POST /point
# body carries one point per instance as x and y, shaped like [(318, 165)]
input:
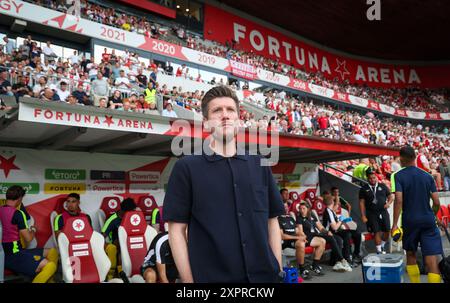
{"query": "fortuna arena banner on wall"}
[(48, 176), (222, 26)]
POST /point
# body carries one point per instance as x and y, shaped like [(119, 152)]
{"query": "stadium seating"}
[(83, 258), (135, 237), (147, 204), (109, 206)]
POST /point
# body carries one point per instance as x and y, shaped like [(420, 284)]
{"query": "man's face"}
[(63, 87), (72, 205), (223, 118), (303, 210), (373, 179), (71, 100), (335, 192), (285, 195)]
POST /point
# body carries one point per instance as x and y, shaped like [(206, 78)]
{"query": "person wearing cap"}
[(228, 201), (168, 111), (413, 188), (110, 232), (375, 199)]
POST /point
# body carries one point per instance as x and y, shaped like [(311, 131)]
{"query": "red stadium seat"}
[(147, 204), (294, 196), (318, 206), (135, 236), (109, 206), (83, 258), (310, 195)]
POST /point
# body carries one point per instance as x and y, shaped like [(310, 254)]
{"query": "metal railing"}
[(354, 179)]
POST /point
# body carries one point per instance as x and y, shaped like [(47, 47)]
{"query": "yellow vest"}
[(150, 95)]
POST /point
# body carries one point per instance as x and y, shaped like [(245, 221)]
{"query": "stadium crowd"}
[(411, 98), (124, 83)]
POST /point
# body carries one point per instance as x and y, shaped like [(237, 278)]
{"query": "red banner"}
[(242, 70), (222, 26)]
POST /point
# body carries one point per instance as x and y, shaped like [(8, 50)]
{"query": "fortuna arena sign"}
[(222, 26), (113, 121)]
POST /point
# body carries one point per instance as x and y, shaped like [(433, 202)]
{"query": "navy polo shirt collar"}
[(211, 156)]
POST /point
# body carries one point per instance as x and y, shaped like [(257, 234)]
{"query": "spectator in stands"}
[(9, 46), (63, 92), (110, 231), (395, 164), (74, 59), (122, 82), (21, 89), (126, 106), (333, 224), (141, 79), (292, 238), (168, 111), (81, 95), (49, 95), (152, 109), (169, 69), (152, 78), (48, 52), (444, 170), (37, 263), (5, 85), (38, 87), (313, 229), (115, 100), (374, 201), (159, 265), (99, 89), (103, 103), (71, 209), (339, 201), (150, 93)]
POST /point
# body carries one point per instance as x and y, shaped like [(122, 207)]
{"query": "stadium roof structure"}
[(58, 126), (409, 30)]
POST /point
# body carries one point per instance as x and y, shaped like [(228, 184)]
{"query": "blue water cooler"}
[(381, 268)]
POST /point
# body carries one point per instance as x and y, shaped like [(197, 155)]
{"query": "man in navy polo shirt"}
[(227, 202), (413, 188)]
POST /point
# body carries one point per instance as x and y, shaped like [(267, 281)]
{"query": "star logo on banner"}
[(341, 68), (135, 220), (108, 120), (78, 225), (7, 165)]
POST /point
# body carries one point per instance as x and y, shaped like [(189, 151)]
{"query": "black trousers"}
[(346, 236), (336, 247)]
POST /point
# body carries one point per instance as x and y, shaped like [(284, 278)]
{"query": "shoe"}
[(305, 274), (315, 269), (339, 267), (357, 259), (347, 266)]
